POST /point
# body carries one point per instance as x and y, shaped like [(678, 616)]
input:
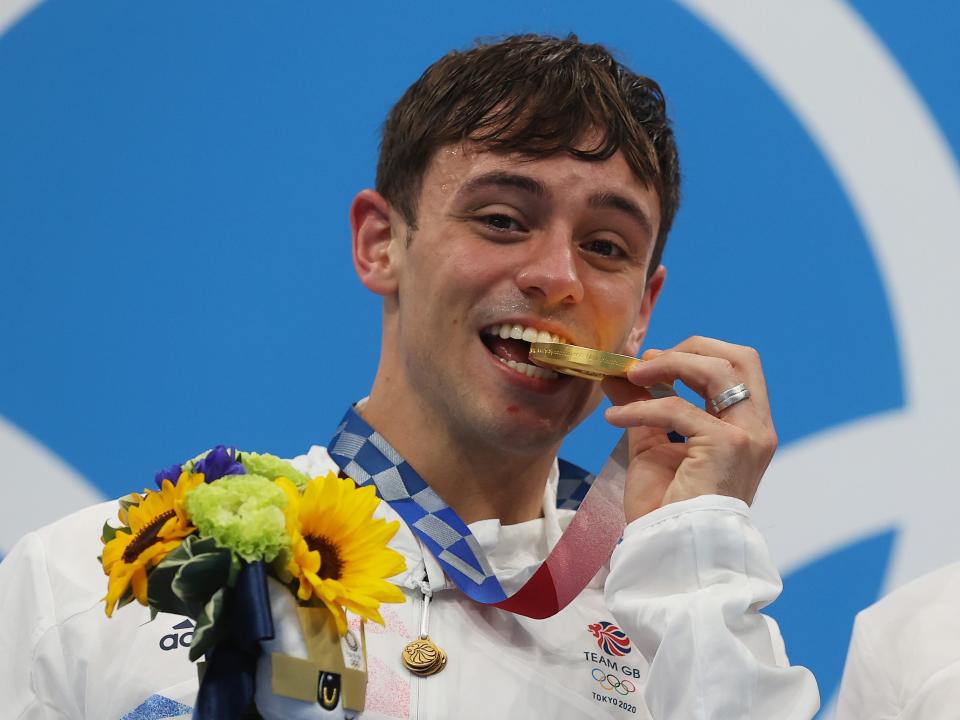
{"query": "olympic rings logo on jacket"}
[(611, 683)]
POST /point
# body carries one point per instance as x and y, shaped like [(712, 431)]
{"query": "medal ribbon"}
[(585, 546)]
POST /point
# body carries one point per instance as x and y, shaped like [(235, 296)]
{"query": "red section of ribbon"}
[(584, 547), (537, 598)]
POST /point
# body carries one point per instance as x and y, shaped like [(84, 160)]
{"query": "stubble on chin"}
[(524, 430)]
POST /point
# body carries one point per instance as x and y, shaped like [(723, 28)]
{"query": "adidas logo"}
[(174, 640)]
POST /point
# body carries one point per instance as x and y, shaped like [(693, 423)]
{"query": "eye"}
[(501, 223), (604, 248)]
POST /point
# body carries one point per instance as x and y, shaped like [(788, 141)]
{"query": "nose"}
[(549, 272)]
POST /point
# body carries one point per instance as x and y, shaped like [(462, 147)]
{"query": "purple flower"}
[(172, 474), (219, 462)]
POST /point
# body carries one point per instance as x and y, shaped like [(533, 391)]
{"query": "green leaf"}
[(109, 532), (202, 575), (160, 590), (161, 596), (125, 599), (208, 631), (193, 580)]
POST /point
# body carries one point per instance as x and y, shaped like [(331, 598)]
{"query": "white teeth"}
[(527, 334), (529, 370), (521, 332)]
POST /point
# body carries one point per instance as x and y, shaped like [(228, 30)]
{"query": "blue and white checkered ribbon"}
[(364, 455)]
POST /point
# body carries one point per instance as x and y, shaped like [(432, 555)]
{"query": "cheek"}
[(617, 308), (438, 297), (468, 269), (467, 279), (614, 322)]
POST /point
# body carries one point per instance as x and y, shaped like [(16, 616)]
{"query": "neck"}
[(477, 480)]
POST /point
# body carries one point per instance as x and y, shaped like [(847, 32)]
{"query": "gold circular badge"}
[(423, 657)]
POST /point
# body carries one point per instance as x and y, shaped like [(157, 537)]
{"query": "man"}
[(525, 190)]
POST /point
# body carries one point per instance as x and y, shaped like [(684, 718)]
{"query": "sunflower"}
[(339, 553), (157, 525)]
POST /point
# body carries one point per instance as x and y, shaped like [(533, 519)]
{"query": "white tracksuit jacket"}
[(685, 584)]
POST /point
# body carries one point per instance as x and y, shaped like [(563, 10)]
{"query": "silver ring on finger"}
[(730, 397)]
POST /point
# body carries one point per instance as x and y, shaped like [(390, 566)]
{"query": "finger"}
[(621, 392), (746, 360), (707, 376), (671, 413), (644, 438)]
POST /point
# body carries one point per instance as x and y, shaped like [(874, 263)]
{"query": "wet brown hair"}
[(534, 95)]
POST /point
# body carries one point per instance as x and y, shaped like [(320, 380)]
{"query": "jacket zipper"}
[(423, 629)]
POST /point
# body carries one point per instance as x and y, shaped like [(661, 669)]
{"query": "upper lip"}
[(539, 324)]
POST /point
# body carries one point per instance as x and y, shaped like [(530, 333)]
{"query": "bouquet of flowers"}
[(220, 525)]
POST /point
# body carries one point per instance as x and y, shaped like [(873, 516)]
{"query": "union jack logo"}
[(611, 639)]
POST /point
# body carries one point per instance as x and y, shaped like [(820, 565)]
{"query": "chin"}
[(515, 429)]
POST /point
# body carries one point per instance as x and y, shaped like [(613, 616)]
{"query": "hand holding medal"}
[(731, 439)]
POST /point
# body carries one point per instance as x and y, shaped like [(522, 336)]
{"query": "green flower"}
[(272, 467), (244, 513)]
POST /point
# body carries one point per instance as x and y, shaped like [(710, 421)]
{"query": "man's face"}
[(553, 245)]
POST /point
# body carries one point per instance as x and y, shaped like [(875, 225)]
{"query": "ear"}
[(650, 295), (372, 236)]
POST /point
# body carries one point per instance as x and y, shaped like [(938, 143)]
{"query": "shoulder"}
[(914, 632), (924, 602), (78, 532), (64, 555)]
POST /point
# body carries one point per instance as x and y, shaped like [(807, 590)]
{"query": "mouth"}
[(510, 344)]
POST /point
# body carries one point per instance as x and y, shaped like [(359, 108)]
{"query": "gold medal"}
[(423, 657), (589, 364), (579, 361)]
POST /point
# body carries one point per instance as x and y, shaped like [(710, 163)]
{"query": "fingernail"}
[(650, 353)]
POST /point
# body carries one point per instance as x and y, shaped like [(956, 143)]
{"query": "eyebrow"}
[(615, 201), (602, 200), (498, 178)]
